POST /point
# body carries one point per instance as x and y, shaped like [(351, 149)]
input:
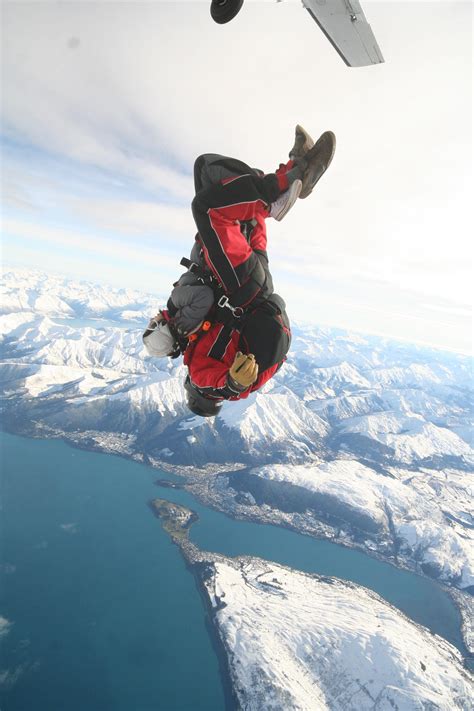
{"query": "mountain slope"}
[(296, 641), (384, 428)]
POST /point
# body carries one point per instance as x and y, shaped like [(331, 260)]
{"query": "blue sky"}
[(106, 105)]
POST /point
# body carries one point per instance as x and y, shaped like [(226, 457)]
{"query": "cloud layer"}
[(106, 106)]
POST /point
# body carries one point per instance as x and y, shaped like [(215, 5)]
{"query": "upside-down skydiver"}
[(223, 315)]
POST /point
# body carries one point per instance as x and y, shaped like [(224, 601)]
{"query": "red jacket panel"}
[(207, 372), (218, 211)]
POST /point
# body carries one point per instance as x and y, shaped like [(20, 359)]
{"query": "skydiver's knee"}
[(198, 206), (199, 164), (204, 173)]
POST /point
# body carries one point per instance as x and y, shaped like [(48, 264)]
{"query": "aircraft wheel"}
[(223, 11)]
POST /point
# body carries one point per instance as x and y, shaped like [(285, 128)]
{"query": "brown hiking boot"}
[(303, 142), (317, 161)]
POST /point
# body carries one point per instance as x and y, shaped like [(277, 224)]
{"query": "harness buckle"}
[(223, 303), (197, 271)]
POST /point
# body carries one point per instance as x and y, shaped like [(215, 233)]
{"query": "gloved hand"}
[(243, 372)]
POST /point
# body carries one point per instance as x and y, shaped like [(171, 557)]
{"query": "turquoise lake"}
[(105, 615)]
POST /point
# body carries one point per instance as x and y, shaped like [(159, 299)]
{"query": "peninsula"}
[(301, 641)]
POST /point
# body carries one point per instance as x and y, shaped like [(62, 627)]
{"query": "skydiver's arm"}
[(214, 382), (211, 379), (215, 379)]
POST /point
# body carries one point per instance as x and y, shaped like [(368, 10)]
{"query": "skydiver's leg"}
[(213, 168), (291, 170), (225, 187), (219, 210), (208, 170)]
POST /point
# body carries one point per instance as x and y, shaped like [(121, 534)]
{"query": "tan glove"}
[(244, 371)]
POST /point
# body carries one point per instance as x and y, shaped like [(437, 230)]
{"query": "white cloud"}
[(90, 245), (138, 90), (136, 217)]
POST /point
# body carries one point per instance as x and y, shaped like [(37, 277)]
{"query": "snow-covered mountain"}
[(373, 437), (411, 520), (27, 290), (376, 400), (300, 642)]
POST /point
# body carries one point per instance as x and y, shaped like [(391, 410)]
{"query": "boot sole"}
[(294, 191), (308, 188)]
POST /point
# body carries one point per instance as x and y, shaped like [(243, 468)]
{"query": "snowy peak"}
[(385, 428), (409, 437), (27, 290), (337, 390), (275, 413)]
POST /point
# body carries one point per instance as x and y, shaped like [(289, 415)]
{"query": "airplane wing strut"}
[(344, 24)]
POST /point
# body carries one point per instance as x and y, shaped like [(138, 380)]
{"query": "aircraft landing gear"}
[(223, 11)]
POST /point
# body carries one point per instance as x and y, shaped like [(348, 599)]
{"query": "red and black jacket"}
[(263, 331), (230, 218)]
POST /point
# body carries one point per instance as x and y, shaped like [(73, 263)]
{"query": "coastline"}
[(177, 520), (195, 563), (94, 442)]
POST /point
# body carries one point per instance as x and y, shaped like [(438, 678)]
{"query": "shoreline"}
[(178, 531), (197, 560), (230, 699), (456, 594)]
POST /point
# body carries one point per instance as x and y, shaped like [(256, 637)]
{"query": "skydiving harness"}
[(274, 308), (230, 317), (231, 314), (245, 294), (205, 277)]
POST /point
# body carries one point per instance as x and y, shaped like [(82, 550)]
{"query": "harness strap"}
[(219, 346), (252, 289), (204, 275), (247, 227)]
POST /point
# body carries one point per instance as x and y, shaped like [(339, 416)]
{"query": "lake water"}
[(105, 615)]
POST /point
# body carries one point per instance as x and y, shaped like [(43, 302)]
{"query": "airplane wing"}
[(345, 26)]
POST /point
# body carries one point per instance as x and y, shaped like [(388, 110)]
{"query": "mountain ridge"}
[(403, 413)]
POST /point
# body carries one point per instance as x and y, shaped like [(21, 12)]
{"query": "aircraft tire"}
[(223, 11)]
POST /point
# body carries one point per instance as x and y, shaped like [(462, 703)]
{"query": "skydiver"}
[(223, 314)]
